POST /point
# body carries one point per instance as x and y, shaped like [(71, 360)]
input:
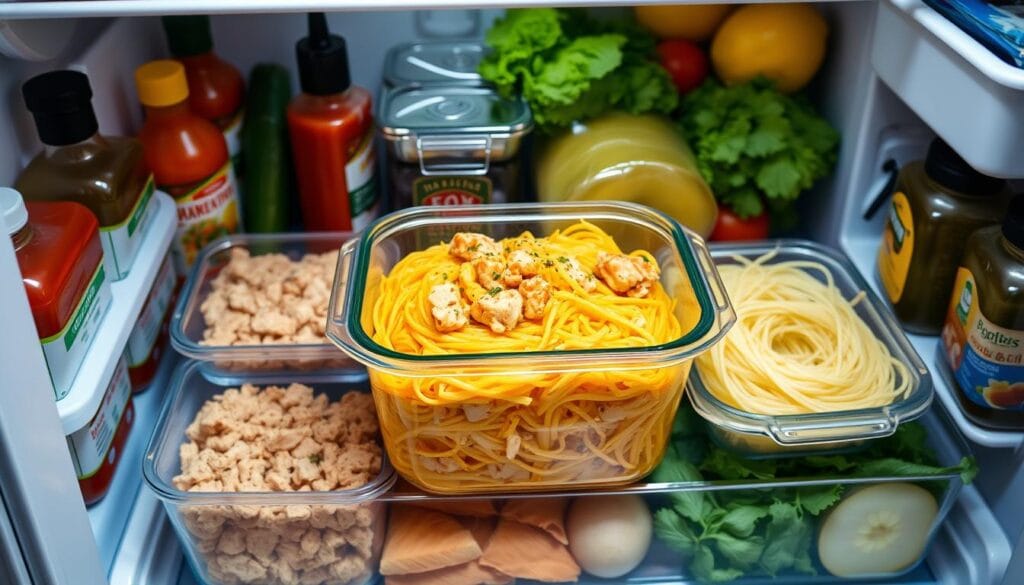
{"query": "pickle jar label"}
[(121, 242), (65, 350), (143, 337), (205, 213), (987, 360), (361, 179), (90, 445), (452, 190), (897, 247)]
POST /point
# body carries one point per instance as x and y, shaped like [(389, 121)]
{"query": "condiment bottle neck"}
[(171, 111), (22, 237), (83, 149), (1011, 249)]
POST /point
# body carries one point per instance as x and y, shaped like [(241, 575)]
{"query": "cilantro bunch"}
[(754, 144), (570, 66), (727, 534)]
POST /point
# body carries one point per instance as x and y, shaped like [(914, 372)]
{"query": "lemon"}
[(783, 42), (693, 22)]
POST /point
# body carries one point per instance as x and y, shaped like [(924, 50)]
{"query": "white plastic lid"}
[(13, 207)]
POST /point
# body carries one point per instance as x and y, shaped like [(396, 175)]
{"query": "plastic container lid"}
[(161, 83), (950, 170), (61, 104), (188, 35), (323, 59), (448, 63), (15, 214)]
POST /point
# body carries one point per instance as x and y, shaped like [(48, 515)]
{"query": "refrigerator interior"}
[(134, 543)]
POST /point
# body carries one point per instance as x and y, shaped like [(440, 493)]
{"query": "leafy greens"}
[(727, 534), (570, 66), (753, 144)]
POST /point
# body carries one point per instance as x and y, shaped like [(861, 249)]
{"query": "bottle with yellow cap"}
[(189, 159)]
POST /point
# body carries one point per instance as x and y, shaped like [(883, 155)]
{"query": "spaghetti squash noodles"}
[(798, 345), (514, 427)]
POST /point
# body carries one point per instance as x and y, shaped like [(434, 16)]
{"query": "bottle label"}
[(147, 328), (121, 242), (451, 190), (90, 446), (897, 248), (987, 360), (66, 349), (361, 178), (205, 212)]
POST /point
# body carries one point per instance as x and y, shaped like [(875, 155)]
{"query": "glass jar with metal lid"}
[(452, 145), (434, 63)]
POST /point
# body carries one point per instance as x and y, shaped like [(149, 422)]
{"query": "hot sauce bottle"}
[(215, 87), (107, 174), (189, 159), (61, 262), (331, 129)]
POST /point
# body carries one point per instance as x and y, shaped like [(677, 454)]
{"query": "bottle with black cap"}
[(983, 336), (331, 128), (107, 174), (937, 203)]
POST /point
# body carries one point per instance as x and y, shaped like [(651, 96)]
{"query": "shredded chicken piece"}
[(489, 270), (520, 265), (576, 272), (632, 275), (500, 311), (536, 293), (469, 246), (512, 445), (449, 311)]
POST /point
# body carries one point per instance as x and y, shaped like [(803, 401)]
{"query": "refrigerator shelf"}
[(862, 251), (110, 515), (949, 80), (79, 406), (86, 8)]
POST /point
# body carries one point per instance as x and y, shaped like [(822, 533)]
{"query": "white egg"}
[(609, 535)]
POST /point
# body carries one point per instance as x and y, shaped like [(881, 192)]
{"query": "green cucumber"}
[(265, 157)]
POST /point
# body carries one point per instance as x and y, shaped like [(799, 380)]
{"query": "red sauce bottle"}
[(215, 87), (61, 261), (331, 128), (189, 159)]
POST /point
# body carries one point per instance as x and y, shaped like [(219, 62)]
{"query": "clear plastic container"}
[(269, 362), (202, 520), (664, 565), (788, 435), (623, 443)]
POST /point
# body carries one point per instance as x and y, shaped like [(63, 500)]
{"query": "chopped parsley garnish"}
[(494, 291), (474, 248), (315, 459), (563, 259), (644, 258), (495, 275)]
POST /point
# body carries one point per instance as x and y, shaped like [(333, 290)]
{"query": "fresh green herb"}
[(570, 66), (494, 291), (729, 534), (495, 275), (754, 144), (644, 258), (563, 259), (315, 459), (474, 248)]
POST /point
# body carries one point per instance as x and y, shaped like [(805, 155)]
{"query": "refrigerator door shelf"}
[(80, 405), (862, 250), (947, 77)]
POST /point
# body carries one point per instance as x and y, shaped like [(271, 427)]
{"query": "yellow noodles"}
[(457, 433), (797, 346)]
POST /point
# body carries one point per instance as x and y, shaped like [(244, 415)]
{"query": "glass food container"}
[(270, 362), (347, 526), (453, 145), (761, 435), (434, 63), (776, 538), (425, 425)]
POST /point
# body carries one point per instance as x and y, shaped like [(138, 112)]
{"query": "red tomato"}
[(685, 62), (729, 227)]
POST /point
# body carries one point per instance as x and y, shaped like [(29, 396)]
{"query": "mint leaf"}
[(739, 553), (673, 530), (787, 535), (742, 520), (817, 499)]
